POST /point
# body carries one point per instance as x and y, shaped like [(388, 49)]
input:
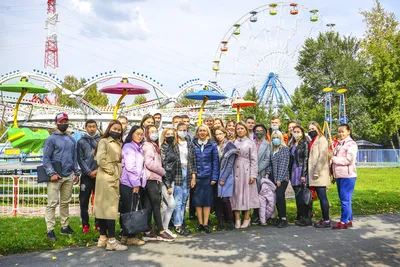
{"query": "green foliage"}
[(258, 111), (72, 83), (333, 61), (381, 49), (139, 99), (183, 101)]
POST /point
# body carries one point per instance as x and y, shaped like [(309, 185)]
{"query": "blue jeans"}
[(181, 194), (346, 188)]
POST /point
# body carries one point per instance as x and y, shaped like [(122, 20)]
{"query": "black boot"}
[(229, 226), (220, 226)]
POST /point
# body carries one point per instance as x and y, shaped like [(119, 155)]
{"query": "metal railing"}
[(22, 195), (378, 157)]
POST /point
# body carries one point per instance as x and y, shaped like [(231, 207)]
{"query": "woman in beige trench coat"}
[(318, 170), (108, 157)]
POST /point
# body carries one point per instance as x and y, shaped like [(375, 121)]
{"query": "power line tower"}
[(51, 46)]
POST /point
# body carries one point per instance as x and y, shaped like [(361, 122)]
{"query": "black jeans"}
[(128, 202), (192, 209), (151, 197), (223, 209), (88, 185), (107, 227), (323, 200), (281, 199)]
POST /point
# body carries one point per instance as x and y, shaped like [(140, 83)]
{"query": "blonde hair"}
[(164, 133), (241, 123), (280, 136), (207, 129), (320, 133)]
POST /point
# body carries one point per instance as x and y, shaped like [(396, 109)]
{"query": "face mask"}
[(62, 127), (275, 128), (115, 135), (182, 134), (259, 135), (297, 136), (169, 139), (276, 141), (157, 124), (312, 134), (154, 137)]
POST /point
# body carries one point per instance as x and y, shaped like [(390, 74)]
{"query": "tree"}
[(381, 49), (139, 99), (258, 111), (332, 60), (183, 101), (72, 83)]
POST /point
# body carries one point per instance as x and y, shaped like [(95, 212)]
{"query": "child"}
[(267, 200)]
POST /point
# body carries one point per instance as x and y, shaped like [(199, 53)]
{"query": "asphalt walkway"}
[(373, 241)]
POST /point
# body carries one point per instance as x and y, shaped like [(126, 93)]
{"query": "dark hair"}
[(250, 118), (123, 117), (181, 124), (128, 138), (176, 117), (260, 125), (146, 117), (89, 122), (303, 138), (147, 135), (184, 116), (158, 113), (347, 128), (292, 122), (107, 133), (220, 120)]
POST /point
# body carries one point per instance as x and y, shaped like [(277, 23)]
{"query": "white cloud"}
[(83, 7)]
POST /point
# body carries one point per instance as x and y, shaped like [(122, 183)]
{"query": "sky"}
[(172, 41)]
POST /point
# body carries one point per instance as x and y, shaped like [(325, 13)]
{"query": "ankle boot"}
[(220, 226), (229, 225)]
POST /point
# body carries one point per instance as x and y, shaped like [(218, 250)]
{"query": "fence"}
[(22, 195), (378, 157)]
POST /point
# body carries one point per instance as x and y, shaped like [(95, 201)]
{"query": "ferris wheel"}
[(261, 49)]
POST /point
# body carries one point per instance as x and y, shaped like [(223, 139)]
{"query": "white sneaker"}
[(171, 234)]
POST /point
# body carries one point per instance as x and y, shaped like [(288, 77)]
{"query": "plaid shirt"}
[(279, 164), (191, 167)]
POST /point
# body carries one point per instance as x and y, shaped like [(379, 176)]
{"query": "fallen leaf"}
[(295, 235), (258, 233), (54, 258), (305, 237), (70, 254), (88, 244), (309, 246)]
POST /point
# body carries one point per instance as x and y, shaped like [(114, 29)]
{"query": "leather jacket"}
[(301, 158), (170, 164)]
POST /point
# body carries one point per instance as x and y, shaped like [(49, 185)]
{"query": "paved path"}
[(373, 241)]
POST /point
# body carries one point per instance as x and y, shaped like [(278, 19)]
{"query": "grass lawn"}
[(377, 191)]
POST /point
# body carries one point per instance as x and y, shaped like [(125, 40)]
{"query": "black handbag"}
[(135, 221), (304, 196)]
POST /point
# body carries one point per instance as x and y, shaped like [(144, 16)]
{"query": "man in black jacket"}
[(86, 147)]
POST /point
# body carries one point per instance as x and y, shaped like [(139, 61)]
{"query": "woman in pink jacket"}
[(152, 193), (344, 170)]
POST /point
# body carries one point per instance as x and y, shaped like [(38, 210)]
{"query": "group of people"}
[(238, 170)]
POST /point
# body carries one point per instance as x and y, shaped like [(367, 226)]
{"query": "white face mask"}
[(182, 134), (297, 136), (154, 137), (275, 127)]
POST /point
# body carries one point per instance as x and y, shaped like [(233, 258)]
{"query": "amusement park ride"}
[(259, 50)]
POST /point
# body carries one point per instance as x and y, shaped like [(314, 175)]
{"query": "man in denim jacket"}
[(60, 149)]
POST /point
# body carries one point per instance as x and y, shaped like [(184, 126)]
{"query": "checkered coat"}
[(278, 168)]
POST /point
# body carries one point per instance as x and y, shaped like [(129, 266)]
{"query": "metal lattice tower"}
[(51, 46)]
